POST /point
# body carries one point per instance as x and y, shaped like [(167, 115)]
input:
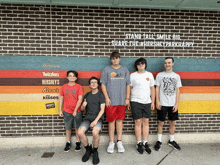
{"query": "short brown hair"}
[(115, 54)]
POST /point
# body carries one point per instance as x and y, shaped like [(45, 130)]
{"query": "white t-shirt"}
[(168, 84), (141, 83)]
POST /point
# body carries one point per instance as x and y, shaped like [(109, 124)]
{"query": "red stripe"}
[(88, 74)]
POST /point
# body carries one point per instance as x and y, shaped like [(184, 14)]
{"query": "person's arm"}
[(79, 102), (158, 105), (104, 91), (60, 106), (84, 104), (101, 112), (128, 93), (175, 108), (152, 89)]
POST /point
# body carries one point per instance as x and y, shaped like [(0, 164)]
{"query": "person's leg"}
[(68, 135), (119, 127), (145, 129), (172, 127), (111, 130), (138, 127), (95, 134), (82, 136), (77, 123)]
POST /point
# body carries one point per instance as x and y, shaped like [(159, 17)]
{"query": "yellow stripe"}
[(199, 96), (199, 107), (39, 108), (27, 108), (29, 97)]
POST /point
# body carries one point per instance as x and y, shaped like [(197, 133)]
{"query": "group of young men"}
[(120, 90)]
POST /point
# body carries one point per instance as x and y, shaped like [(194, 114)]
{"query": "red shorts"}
[(115, 112)]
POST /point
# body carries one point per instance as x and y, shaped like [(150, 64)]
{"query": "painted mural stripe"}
[(35, 89), (201, 96), (98, 64), (200, 89), (88, 74), (39, 107), (84, 82), (55, 97)]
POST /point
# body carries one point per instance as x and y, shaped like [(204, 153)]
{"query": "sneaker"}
[(110, 148), (78, 146), (139, 147), (67, 148), (95, 159), (88, 153), (120, 147), (174, 145), (157, 146), (147, 149)]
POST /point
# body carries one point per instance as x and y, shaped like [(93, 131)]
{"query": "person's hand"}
[(93, 124), (107, 102), (152, 106), (175, 108), (60, 113), (74, 114), (158, 105), (127, 102), (84, 103)]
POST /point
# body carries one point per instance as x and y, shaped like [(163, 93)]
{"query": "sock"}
[(95, 149), (171, 138), (159, 137), (138, 142), (144, 142), (118, 141), (87, 147), (68, 141), (78, 141)]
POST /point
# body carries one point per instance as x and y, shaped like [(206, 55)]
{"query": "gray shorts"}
[(69, 120), (86, 124), (140, 110)]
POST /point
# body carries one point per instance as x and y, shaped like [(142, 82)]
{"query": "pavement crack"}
[(165, 157)]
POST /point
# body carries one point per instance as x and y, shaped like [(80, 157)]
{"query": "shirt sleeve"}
[(104, 77), (157, 82), (152, 80), (179, 84), (131, 77), (80, 90), (62, 91), (127, 77)]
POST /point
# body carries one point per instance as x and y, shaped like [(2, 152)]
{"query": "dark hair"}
[(140, 61), (169, 58), (115, 54), (94, 78), (72, 71)]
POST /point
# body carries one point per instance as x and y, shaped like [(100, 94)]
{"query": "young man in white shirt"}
[(167, 101), (142, 102)]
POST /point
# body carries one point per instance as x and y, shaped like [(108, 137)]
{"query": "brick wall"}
[(36, 30)]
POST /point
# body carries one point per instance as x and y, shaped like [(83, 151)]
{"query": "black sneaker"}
[(147, 149), (67, 148), (140, 148), (95, 159), (88, 153), (174, 145), (157, 146), (78, 146)]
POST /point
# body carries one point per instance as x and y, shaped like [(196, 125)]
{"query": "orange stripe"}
[(200, 89), (33, 89)]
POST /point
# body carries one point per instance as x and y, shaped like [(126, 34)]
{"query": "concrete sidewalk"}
[(190, 154)]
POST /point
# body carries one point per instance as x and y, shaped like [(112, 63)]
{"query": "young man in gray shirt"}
[(116, 89), (167, 101)]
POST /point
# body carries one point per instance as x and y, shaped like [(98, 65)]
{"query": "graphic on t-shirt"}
[(169, 86), (67, 91), (113, 74), (116, 76), (147, 79)]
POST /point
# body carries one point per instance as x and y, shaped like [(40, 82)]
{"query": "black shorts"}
[(140, 110), (161, 114)]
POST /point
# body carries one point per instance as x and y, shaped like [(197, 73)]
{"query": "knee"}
[(146, 122), (80, 132), (138, 122), (172, 123), (161, 123), (95, 134)]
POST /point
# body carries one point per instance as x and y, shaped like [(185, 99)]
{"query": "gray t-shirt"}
[(168, 84), (116, 81), (93, 105)]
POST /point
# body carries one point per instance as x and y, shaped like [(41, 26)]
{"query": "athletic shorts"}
[(140, 110), (86, 124), (69, 120), (115, 112), (161, 114)]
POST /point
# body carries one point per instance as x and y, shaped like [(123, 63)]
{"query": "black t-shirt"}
[(93, 105)]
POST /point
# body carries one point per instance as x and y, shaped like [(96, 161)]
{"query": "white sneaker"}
[(120, 147), (111, 147)]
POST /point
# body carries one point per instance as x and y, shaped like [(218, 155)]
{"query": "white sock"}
[(159, 137), (138, 142), (68, 141), (144, 142), (171, 138)]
